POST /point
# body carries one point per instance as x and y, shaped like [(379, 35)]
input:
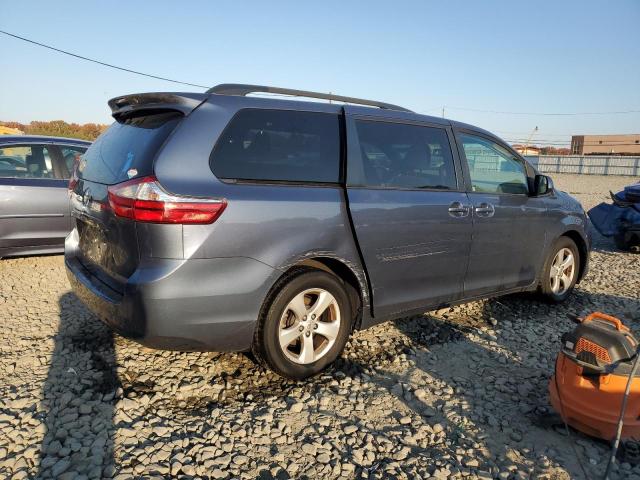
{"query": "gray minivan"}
[(224, 221)]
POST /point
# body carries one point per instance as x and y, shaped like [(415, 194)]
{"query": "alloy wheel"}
[(562, 271), (309, 326)]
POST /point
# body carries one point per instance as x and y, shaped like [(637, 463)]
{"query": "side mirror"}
[(542, 185)]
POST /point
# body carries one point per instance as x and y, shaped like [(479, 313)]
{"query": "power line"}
[(543, 113), (542, 132), (157, 77), (536, 139), (101, 63)]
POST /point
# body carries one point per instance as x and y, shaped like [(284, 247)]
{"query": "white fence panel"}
[(587, 164)]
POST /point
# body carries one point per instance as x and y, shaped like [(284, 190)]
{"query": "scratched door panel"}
[(416, 253)]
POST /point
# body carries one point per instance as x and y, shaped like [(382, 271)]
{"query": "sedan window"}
[(25, 161), (35, 161)]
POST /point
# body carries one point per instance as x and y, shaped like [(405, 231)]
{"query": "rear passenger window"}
[(279, 145), (405, 156), (26, 161)]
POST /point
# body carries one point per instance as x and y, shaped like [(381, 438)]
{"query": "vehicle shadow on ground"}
[(79, 395)]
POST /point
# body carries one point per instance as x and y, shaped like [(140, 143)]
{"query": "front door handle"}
[(458, 210), (485, 210)]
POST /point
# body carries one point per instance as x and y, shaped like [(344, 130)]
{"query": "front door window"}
[(492, 168)]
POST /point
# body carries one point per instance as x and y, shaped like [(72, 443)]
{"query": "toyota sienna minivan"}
[(230, 222)]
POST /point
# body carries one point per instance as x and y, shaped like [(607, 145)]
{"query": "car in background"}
[(34, 203)]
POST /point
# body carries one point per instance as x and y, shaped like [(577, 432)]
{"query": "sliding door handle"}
[(485, 210), (458, 210)]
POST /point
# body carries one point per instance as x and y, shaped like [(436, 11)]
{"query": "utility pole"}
[(443, 111), (526, 147)]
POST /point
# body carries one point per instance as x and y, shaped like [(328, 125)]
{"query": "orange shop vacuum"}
[(596, 385)]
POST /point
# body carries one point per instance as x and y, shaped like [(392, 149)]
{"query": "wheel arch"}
[(583, 250), (355, 283)]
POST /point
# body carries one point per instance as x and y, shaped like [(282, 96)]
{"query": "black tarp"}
[(620, 219)]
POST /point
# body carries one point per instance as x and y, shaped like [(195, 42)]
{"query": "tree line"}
[(544, 150), (59, 128), (555, 151)]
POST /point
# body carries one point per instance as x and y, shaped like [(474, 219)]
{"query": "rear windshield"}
[(279, 145), (127, 148)]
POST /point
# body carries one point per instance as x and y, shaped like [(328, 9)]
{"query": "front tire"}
[(560, 270), (304, 324)]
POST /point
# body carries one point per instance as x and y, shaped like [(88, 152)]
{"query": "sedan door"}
[(409, 211), (508, 223), (34, 206)]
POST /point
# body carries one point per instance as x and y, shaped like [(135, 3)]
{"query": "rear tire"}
[(304, 324), (560, 271)]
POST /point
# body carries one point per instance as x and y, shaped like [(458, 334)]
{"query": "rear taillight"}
[(144, 200)]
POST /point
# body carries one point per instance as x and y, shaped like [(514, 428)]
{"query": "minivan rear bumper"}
[(195, 304)]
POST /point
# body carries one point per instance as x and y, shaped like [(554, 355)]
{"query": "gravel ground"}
[(455, 393)]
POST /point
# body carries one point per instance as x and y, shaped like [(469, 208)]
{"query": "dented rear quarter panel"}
[(277, 224)]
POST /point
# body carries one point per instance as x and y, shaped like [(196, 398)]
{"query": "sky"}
[(501, 56)]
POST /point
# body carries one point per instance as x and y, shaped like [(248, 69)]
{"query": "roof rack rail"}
[(243, 90)]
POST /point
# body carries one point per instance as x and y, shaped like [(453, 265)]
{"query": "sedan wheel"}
[(562, 271)]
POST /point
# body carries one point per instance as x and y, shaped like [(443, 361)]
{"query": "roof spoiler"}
[(182, 102), (243, 90)]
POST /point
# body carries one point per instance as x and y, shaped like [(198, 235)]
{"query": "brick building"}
[(605, 144)]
